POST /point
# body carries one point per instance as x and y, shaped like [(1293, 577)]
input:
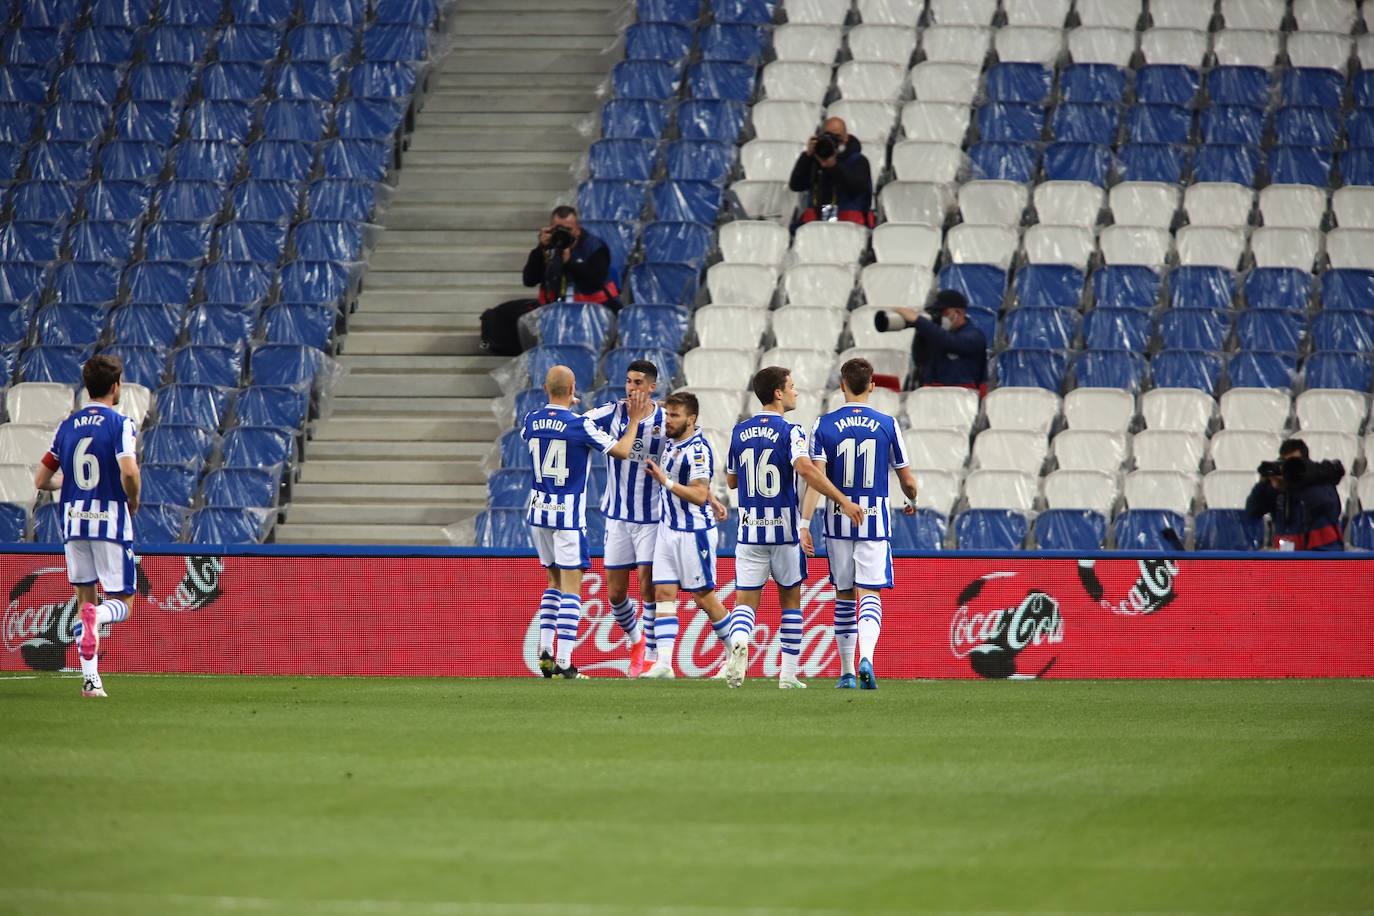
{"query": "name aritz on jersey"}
[(846, 422), (90, 420)]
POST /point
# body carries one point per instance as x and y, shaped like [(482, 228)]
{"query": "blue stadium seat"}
[(36, 241), (59, 161), (1040, 328), (1049, 285), (34, 46), (606, 394), (222, 525), (1018, 82), (1270, 330), (620, 238), (622, 160), (295, 119), (1350, 371), (395, 42), (740, 42), (715, 79), (1299, 165), (672, 284), (308, 324), (329, 240), (52, 13), (90, 83), (1004, 161), (16, 121), (1070, 529), (341, 198), (160, 281), (1014, 122), (1256, 369), (85, 282), (272, 406), (1194, 329), (700, 160), (45, 200), (370, 159), (249, 42), (531, 399), (1030, 368), (369, 119), (1078, 162), (990, 529), (1362, 531), (132, 160), (240, 80), (1238, 86), (179, 44), (1351, 332), (642, 119), (306, 79), (258, 447), (683, 11), (159, 523), (582, 361), (1092, 83), (1227, 529), (285, 365), (645, 79), (47, 523), (1110, 369), (596, 488), (143, 365), (509, 488), (169, 484), (1234, 125), (14, 521), (1357, 166), (1202, 287), (207, 160), (121, 200), (1142, 529), (219, 119), (647, 325), (504, 528), (208, 365), (1278, 288), (514, 452), (711, 119), (1236, 164), (98, 44), (205, 406), (1313, 87), (384, 79), (1187, 369), (14, 323), (159, 81), (247, 240), (11, 158), (314, 281), (615, 365), (586, 324), (121, 12), (1154, 162), (1117, 329), (757, 12), (169, 443), (272, 201), (320, 42), (677, 243), (342, 12), (66, 324), (1359, 128), (983, 285), (1127, 286), (193, 201), (1317, 127), (1080, 123), (1346, 290), (21, 282), (620, 201), (243, 282), (1167, 84), (923, 530)]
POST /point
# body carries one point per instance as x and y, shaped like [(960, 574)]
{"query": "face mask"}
[(947, 323)]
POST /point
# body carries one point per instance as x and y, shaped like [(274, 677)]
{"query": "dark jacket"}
[(848, 185), (1308, 511), (949, 357), (588, 270)]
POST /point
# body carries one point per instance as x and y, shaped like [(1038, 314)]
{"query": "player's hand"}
[(545, 236), (718, 509), (639, 406), (807, 546), (653, 470), (852, 511), (909, 508)]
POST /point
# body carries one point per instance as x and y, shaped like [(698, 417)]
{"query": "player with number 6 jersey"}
[(94, 451)]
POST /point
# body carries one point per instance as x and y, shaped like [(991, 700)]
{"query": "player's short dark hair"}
[(563, 212), (1294, 445), (684, 399), (768, 381), (857, 374), (101, 373), (643, 365)]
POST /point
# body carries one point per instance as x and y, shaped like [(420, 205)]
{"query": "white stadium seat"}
[(823, 285), (792, 121), (1245, 47), (857, 79), (1364, 50), (1070, 245), (937, 448), (891, 12), (746, 241), (1182, 47), (1184, 409), (817, 44), (935, 122), (16, 484), (807, 411), (1242, 449), (810, 369), (1001, 490), (1329, 410), (1365, 489), (1138, 245), (897, 243), (942, 408), (1327, 446), (798, 327), (965, 45), (982, 245), (1048, 13), (1325, 15), (1181, 14), (769, 160), (1090, 450), (1010, 450), (26, 444), (890, 44), (1144, 203), (1227, 489), (1351, 248), (866, 336), (882, 400), (992, 203), (940, 163), (764, 200), (1319, 49), (1069, 203), (1033, 409), (1277, 247), (906, 285), (742, 284), (918, 202), (1095, 45), (1029, 45), (1255, 408), (829, 243), (1353, 207), (1109, 409), (719, 408), (39, 403), (1114, 14), (796, 81), (962, 12), (872, 122), (730, 325), (134, 402), (1095, 490), (945, 81), (937, 489), (1263, 15), (1296, 206), (1210, 246), (1172, 490), (1168, 450), (1218, 203), (719, 368), (818, 12)]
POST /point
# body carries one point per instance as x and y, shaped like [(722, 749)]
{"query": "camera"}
[(888, 320), (1271, 469), (826, 145), (561, 237)]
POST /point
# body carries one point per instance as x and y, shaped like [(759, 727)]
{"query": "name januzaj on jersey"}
[(844, 423)]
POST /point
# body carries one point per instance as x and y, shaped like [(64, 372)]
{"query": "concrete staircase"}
[(399, 456)]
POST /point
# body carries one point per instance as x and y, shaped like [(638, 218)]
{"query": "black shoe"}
[(569, 673), (546, 664)]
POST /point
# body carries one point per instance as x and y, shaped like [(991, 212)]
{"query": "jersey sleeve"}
[(599, 439), (731, 462), (796, 439), (701, 463), (127, 435), (899, 456), (817, 448), (602, 416), (525, 428), (51, 460)]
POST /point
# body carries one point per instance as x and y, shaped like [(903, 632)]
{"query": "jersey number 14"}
[(552, 466)]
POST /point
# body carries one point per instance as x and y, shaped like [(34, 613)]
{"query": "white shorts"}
[(859, 564), (629, 544), (754, 563), (563, 548), (686, 559), (110, 563)]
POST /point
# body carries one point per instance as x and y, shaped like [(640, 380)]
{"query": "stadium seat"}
[(1325, 410), (1000, 490), (1143, 529), (1168, 450), (1083, 489), (990, 529), (1254, 408), (925, 530), (1106, 409), (1110, 369), (1178, 409), (1227, 529), (1070, 529)]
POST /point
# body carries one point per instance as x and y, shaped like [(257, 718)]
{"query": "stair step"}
[(325, 533), (594, 43), (508, 262), (484, 239), (388, 493), (407, 342), (456, 195), (472, 301), (369, 472), (573, 102), (448, 159), (527, 66), (405, 429), (553, 179), (447, 216), (399, 321), (421, 385), (345, 451), (382, 513), (470, 7), (379, 405), (497, 142), (381, 281), (475, 365)]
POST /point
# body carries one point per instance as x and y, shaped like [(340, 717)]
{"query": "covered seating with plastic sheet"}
[(616, 363), (283, 159), (1134, 246), (226, 525), (1328, 409), (1228, 489), (645, 79), (1107, 328), (160, 523), (617, 201), (700, 160), (1158, 162), (1227, 529), (279, 407), (1168, 450), (1086, 449), (1071, 246), (1352, 371), (741, 284), (1040, 328), (722, 368), (990, 529), (269, 201), (829, 243), (308, 324), (39, 403), (509, 488), (1345, 290), (169, 484), (1009, 450), (999, 161), (996, 203), (1143, 529), (1144, 203), (1181, 409), (47, 523), (1242, 449), (942, 408), (222, 323), (723, 326), (1154, 124), (1285, 248), (286, 365), (586, 324), (1194, 329), (24, 444), (930, 163), (38, 240), (183, 445), (819, 285), (581, 360), (258, 447), (935, 122), (343, 158), (1075, 204), (753, 242), (1254, 408), (1199, 369), (504, 528), (924, 530), (1031, 368), (1070, 529), (712, 119), (71, 324), (642, 119), (1000, 490), (1353, 207), (1110, 369), (674, 284), (1270, 329), (1277, 289), (942, 449), (205, 406), (1351, 332), (807, 328), (1099, 408), (1256, 369), (50, 363), (1090, 489)]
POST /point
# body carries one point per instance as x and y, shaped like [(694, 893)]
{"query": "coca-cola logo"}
[(39, 616), (199, 586), (992, 633), (1152, 591)]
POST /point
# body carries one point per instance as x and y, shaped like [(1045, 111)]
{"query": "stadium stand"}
[(1162, 220)]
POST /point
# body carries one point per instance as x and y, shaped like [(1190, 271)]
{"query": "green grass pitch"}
[(505, 797)]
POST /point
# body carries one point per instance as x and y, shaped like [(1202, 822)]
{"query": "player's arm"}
[(129, 474), (808, 508), (46, 478), (907, 480), (638, 409), (818, 483), (697, 492)]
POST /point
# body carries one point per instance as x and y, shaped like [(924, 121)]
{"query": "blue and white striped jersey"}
[(686, 461), (763, 450), (561, 444), (631, 494), (860, 446), (88, 446)]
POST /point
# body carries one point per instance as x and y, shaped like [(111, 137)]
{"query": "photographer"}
[(836, 174), (948, 351), (1300, 496), (570, 263)]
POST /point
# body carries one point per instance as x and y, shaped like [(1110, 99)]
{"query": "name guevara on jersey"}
[(762, 454)]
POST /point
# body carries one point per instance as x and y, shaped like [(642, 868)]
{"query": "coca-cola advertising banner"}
[(446, 614)]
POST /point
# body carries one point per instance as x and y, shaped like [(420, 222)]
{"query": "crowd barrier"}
[(455, 612)]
